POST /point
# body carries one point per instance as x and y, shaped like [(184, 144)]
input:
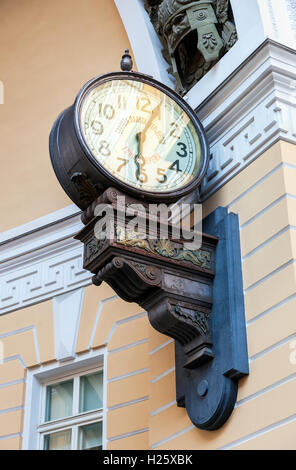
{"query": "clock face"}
[(140, 135)]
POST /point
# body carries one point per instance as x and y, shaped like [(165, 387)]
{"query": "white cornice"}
[(28, 241), (36, 224), (43, 262)]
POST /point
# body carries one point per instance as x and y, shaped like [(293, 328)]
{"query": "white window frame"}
[(74, 421), (37, 379)]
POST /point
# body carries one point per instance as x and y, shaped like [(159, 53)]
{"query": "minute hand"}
[(142, 134)]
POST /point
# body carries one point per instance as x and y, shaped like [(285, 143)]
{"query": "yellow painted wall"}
[(263, 195), (140, 364), (48, 50)]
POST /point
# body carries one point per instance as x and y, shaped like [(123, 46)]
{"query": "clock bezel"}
[(168, 195)]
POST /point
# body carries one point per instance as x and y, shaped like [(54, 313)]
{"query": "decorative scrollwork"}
[(165, 248), (209, 41), (107, 271), (198, 318), (149, 271), (88, 191), (93, 247)]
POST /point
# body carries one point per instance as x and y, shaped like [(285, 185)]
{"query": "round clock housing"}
[(127, 130)]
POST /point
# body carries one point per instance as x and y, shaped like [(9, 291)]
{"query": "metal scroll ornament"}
[(166, 249), (194, 35)]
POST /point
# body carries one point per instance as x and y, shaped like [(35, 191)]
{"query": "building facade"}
[(79, 367)]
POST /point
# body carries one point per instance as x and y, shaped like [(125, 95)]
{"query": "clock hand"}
[(137, 156), (140, 162), (154, 113)]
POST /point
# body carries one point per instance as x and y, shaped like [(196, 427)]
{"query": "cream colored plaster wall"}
[(48, 50), (264, 197), (26, 340)]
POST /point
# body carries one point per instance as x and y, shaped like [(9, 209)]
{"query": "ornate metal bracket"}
[(193, 296)]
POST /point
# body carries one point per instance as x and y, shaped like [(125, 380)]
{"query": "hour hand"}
[(137, 156), (139, 142)]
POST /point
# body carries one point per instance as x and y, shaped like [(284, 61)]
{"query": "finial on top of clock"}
[(126, 63)]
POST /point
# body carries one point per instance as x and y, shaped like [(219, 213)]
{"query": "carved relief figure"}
[(194, 35)]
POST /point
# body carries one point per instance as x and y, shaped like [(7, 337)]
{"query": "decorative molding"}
[(250, 112), (36, 224), (66, 309), (41, 264), (169, 250), (197, 318), (279, 20)]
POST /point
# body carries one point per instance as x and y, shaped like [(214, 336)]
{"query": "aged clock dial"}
[(128, 131), (140, 135)]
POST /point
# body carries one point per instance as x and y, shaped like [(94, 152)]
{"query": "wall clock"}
[(127, 130)]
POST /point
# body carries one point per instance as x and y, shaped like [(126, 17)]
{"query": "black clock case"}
[(81, 176)]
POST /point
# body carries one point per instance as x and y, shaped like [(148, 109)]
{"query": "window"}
[(72, 412)]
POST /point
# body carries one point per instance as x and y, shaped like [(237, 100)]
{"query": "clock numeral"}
[(175, 130), (142, 177), (104, 149), (156, 113), (183, 149), (97, 127), (122, 164), (140, 171), (175, 166), (107, 111), (143, 104), (161, 173), (121, 102)]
